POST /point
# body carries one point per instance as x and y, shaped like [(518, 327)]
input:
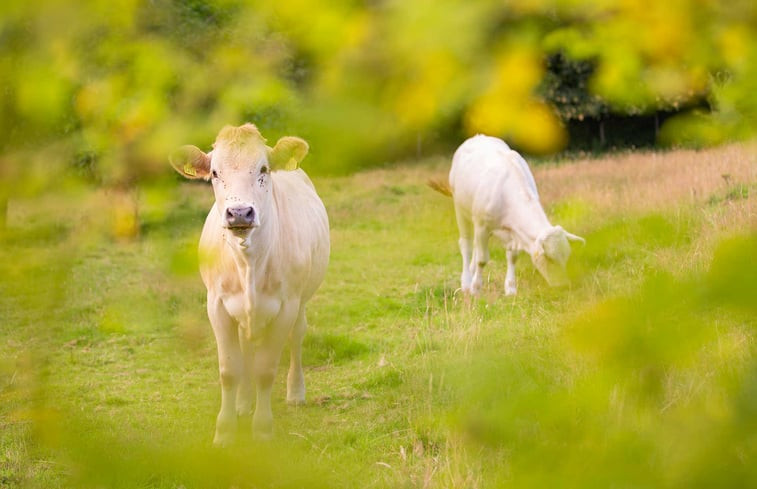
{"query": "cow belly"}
[(505, 236)]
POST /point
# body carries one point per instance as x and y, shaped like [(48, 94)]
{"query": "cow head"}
[(239, 168), (551, 253)]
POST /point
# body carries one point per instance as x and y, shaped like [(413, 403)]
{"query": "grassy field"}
[(642, 373)]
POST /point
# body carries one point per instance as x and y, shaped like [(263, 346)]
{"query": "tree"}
[(110, 88)]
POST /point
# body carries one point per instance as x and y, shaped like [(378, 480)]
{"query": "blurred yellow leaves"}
[(124, 220), (103, 11), (95, 97), (663, 30), (508, 105), (113, 78), (47, 423), (734, 43), (693, 129), (326, 28), (42, 95), (418, 102), (574, 41)]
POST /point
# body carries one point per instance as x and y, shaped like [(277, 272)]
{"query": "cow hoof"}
[(226, 428), (244, 412), (262, 430), (296, 401), (223, 440), (262, 435)]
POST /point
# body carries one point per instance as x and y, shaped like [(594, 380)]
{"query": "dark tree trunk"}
[(656, 125), (124, 223)]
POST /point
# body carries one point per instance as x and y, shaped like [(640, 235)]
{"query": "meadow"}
[(641, 373)]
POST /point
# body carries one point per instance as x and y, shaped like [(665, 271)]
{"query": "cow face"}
[(239, 168), (551, 254)]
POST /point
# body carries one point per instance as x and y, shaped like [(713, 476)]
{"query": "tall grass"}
[(641, 373)]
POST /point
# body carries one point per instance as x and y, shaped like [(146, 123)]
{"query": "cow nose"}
[(240, 217)]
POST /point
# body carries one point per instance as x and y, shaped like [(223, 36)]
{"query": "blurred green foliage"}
[(108, 88), (655, 388)]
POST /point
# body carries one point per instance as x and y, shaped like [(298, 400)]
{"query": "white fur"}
[(495, 194), (258, 281)]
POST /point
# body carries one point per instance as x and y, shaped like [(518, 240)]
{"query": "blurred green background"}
[(105, 87), (642, 374)]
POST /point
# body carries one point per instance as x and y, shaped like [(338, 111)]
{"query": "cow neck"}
[(529, 230), (252, 255), (252, 262)]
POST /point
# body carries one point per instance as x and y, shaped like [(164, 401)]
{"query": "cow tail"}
[(440, 186)]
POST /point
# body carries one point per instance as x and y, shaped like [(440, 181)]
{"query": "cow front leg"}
[(245, 388), (265, 364), (480, 256), (295, 376), (510, 284), (229, 367)]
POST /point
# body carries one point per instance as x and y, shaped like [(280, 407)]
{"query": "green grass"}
[(642, 373)]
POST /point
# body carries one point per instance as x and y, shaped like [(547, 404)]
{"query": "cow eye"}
[(214, 174), (264, 169)]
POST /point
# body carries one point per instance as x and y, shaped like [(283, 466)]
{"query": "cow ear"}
[(191, 162), (574, 237), (288, 153)]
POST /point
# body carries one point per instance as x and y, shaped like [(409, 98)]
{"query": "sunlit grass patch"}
[(326, 349), (733, 193)]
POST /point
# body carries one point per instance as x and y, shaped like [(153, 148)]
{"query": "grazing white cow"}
[(495, 194), (263, 253)]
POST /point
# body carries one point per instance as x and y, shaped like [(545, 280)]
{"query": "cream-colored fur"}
[(259, 279), (495, 194)]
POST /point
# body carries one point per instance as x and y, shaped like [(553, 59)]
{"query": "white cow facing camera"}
[(263, 253), (495, 194)]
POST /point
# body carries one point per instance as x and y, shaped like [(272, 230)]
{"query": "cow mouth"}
[(240, 231)]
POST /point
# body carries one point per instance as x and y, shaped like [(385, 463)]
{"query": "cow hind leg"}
[(465, 226), (230, 366), (295, 377), (510, 284), (480, 256), (265, 364)]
